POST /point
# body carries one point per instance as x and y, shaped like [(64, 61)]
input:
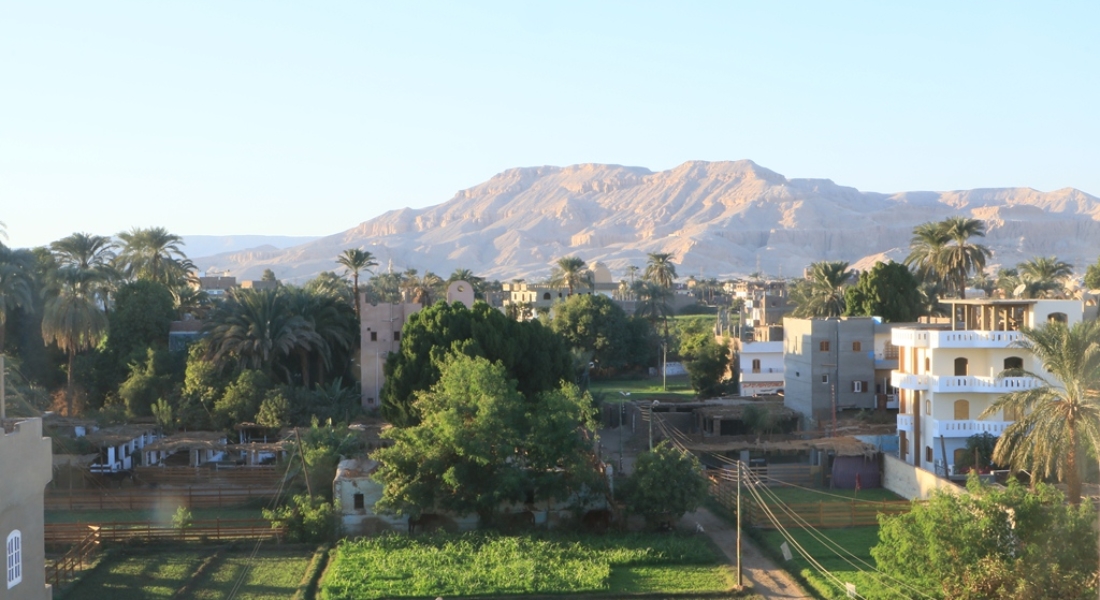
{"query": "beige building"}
[(949, 374), (380, 334), (25, 468)]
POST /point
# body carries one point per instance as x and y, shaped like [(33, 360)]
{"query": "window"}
[(928, 454), (15, 558), (859, 386), (927, 364), (824, 379), (824, 346), (374, 336), (546, 296), (756, 365), (397, 336), (962, 410), (1013, 363), (962, 367), (358, 500), (856, 347), (927, 407)]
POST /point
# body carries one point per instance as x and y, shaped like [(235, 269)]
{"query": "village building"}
[(119, 448), (25, 469), (948, 374)]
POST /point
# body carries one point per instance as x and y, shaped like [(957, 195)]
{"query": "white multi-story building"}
[(761, 367), (948, 374)]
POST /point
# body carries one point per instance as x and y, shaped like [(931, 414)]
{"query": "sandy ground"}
[(761, 575)]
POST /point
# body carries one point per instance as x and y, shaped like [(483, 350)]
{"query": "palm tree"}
[(570, 272), (258, 328), (155, 255), (654, 301), (959, 257), (73, 320), (333, 322), (633, 271), (16, 289), (1044, 276), (356, 260), (660, 270), (90, 252), (821, 294), (925, 249), (1061, 415)]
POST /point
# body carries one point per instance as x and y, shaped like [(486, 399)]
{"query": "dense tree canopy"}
[(481, 443), (889, 290), (821, 293), (596, 325), (533, 355), (665, 484), (993, 544)]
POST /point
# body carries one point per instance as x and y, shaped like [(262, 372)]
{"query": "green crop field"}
[(793, 495), (161, 572), (679, 388), (479, 563), (858, 541)]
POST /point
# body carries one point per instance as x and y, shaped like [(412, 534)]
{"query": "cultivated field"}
[(488, 564)]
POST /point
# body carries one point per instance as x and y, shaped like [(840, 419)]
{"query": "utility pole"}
[(655, 404), (622, 411), (3, 398), (739, 473)]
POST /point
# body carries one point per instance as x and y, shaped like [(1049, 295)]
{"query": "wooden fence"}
[(139, 499), (198, 531), (181, 476), (64, 569)]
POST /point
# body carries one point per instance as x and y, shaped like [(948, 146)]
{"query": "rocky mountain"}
[(719, 219)]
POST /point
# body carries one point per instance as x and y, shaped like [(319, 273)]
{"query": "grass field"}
[(858, 541), (679, 388), (159, 573), (479, 563)]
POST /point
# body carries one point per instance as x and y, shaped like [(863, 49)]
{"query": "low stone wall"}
[(912, 482)]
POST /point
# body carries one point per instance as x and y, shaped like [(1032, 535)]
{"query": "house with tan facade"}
[(948, 374), (25, 469)]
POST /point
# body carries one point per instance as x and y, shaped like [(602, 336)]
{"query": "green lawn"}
[(679, 388), (481, 563), (159, 572), (857, 540)]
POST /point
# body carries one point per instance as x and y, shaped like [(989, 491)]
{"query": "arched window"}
[(546, 296), (962, 410), (14, 554), (1058, 317), (1013, 362), (959, 454), (962, 367)]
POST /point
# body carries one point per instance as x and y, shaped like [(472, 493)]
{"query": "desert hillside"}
[(720, 219)]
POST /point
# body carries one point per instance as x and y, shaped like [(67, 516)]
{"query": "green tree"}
[(1044, 276), (821, 293), (1092, 276), (1061, 416), (307, 520), (926, 251), (595, 324), (355, 261), (480, 443), (274, 411), (532, 354), (959, 257), (979, 446), (665, 484), (154, 254), (323, 446), (706, 362), (992, 543), (143, 314), (90, 253), (660, 269), (571, 272), (258, 328), (147, 383), (242, 398), (889, 290), (16, 285), (73, 320)]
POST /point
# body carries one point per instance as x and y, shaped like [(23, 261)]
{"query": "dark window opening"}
[(358, 500)]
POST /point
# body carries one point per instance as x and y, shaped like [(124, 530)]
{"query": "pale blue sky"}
[(307, 118)]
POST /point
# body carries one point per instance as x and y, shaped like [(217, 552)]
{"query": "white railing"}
[(983, 385), (972, 339), (905, 423), (910, 338), (908, 381), (963, 429)]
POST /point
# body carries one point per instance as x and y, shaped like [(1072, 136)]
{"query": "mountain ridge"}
[(717, 218)]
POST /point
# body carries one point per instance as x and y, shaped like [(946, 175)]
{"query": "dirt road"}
[(762, 576)]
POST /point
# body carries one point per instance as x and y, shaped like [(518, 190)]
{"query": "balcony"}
[(905, 423), (763, 374), (965, 429), (983, 385), (909, 381), (938, 338)]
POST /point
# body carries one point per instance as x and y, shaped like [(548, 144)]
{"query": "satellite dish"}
[(1019, 291)]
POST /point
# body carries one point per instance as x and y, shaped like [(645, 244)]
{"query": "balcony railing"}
[(963, 429), (935, 338), (983, 385), (905, 423), (908, 381)]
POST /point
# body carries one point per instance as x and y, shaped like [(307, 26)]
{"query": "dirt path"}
[(762, 576)]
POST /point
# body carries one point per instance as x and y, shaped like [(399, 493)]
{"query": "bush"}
[(666, 483), (306, 520)]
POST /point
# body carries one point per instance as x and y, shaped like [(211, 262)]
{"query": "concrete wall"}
[(911, 482), (811, 370), (380, 327), (25, 468)]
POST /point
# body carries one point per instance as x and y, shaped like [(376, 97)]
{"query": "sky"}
[(308, 118)]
